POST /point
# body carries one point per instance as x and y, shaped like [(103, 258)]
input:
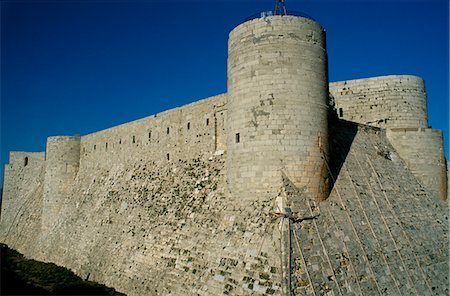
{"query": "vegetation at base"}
[(21, 276)]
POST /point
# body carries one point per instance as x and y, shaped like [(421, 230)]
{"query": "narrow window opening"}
[(189, 125), (168, 156), (341, 112), (134, 139), (149, 135), (120, 141), (238, 139), (106, 146), (207, 121), (95, 147), (26, 161), (168, 130)]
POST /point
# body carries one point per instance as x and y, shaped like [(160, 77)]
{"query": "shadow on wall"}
[(341, 136)]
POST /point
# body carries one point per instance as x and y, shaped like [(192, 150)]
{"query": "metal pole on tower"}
[(280, 8)]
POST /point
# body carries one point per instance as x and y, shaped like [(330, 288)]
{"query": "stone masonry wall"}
[(277, 106), (143, 221), (395, 101), (184, 202), (62, 163), (22, 199), (180, 133), (423, 151), (380, 232)]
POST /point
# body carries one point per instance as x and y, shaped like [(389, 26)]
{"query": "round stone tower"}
[(277, 106), (61, 167)]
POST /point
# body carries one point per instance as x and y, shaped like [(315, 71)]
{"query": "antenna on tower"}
[(280, 8)]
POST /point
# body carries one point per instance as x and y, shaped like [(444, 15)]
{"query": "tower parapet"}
[(394, 101), (277, 106)]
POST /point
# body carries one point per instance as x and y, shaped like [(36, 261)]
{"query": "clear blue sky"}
[(76, 67)]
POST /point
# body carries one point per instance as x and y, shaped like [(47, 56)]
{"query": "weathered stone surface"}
[(146, 207)]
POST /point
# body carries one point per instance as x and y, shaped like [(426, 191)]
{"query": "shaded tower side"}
[(422, 149), (62, 163), (398, 103), (277, 106)]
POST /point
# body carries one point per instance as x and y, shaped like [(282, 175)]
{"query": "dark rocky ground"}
[(21, 276)]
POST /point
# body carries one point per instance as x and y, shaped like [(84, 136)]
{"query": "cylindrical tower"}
[(61, 167), (277, 106)]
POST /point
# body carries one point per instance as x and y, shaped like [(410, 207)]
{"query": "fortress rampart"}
[(181, 133), (22, 175), (397, 103), (188, 195)]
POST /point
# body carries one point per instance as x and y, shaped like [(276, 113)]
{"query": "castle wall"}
[(423, 151), (23, 175), (62, 163), (151, 199), (395, 101), (186, 132), (277, 112)]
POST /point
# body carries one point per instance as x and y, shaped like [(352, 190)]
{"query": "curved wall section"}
[(277, 106), (423, 151), (61, 167), (395, 101)]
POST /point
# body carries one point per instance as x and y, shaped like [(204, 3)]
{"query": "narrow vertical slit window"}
[(25, 161), (168, 130), (238, 138), (106, 146), (207, 121), (189, 125), (149, 135), (95, 147), (134, 139), (341, 112), (168, 156)]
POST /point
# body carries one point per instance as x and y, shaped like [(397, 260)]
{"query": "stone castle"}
[(286, 184)]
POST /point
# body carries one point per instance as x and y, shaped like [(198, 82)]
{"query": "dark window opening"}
[(134, 139), (168, 130), (120, 141), (238, 138), (26, 161), (149, 135), (106, 146), (207, 121), (168, 156), (341, 112), (95, 147), (189, 125)]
